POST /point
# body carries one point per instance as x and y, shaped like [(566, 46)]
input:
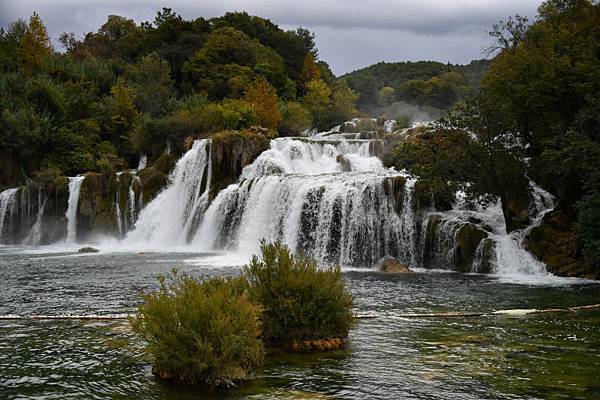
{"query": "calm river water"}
[(549, 356)]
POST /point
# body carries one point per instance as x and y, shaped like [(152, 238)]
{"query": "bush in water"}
[(300, 300), (201, 332)]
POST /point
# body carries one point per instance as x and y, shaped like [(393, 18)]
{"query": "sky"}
[(350, 34)]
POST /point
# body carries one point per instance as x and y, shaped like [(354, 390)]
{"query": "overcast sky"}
[(350, 34)]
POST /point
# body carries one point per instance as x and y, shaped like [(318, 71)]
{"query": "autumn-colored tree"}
[(35, 45), (310, 70), (263, 97)]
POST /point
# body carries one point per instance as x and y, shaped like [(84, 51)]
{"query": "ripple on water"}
[(386, 357)]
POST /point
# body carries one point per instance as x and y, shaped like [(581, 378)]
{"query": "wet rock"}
[(555, 243), (344, 163), (88, 250), (484, 258), (391, 265), (231, 151), (467, 241)]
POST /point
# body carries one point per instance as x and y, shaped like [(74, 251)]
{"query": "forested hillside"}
[(422, 83), (131, 89)]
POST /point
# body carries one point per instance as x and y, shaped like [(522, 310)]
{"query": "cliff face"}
[(230, 153)]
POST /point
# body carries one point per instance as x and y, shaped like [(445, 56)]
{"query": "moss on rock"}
[(231, 151), (555, 243)]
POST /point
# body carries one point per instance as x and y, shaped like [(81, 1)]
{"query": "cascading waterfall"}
[(296, 193), (71, 214), (169, 219), (511, 256), (7, 201)]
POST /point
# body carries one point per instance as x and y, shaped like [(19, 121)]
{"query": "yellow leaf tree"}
[(263, 97), (35, 45)]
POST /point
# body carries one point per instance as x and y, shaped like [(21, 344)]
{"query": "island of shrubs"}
[(213, 332)]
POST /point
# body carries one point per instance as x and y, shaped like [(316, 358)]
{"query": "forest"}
[(128, 89)]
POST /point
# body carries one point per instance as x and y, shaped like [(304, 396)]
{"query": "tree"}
[(152, 84), (35, 45), (263, 98), (310, 70)]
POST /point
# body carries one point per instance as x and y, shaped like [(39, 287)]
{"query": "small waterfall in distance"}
[(71, 214), (7, 201)]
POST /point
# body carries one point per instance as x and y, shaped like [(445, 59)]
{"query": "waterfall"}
[(142, 163), (296, 192), (133, 207), (34, 237), (118, 206), (511, 256), (408, 223), (170, 217), (7, 201), (71, 214)]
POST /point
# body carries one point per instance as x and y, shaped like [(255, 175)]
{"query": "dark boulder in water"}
[(88, 250), (391, 265)]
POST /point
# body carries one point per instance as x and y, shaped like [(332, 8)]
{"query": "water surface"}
[(554, 356)]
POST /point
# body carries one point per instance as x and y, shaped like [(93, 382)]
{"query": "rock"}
[(344, 163), (467, 241), (555, 243), (88, 250), (391, 265), (231, 151)]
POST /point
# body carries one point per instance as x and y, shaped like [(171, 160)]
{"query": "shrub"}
[(300, 300), (201, 332)]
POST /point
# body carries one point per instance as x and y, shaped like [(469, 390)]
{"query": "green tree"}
[(152, 84)]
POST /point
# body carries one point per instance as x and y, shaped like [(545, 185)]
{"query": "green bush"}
[(201, 332), (300, 300)]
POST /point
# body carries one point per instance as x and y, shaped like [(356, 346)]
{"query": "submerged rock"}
[(391, 265), (88, 250)]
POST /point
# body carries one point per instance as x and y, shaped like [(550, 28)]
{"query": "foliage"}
[(151, 85), (423, 83), (263, 98), (295, 118), (34, 45), (589, 225), (201, 332), (300, 300)]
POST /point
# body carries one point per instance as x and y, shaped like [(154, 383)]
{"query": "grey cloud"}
[(350, 33)]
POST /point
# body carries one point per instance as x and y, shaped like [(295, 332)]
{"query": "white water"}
[(119, 217), (34, 236), (170, 217), (7, 200), (71, 214)]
